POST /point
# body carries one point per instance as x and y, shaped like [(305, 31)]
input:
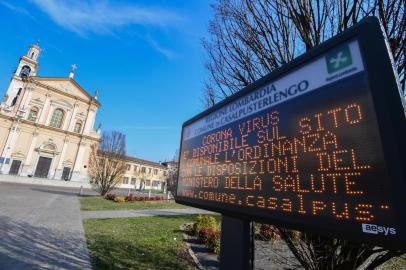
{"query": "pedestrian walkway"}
[(41, 228), (142, 213)]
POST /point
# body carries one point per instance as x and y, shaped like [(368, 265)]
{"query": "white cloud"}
[(17, 9), (103, 17), (166, 52)]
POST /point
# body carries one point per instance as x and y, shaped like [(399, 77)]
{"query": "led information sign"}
[(305, 148)]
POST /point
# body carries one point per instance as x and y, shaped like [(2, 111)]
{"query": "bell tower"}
[(27, 67), (28, 64)]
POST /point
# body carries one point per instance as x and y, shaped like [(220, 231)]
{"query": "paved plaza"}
[(41, 228)]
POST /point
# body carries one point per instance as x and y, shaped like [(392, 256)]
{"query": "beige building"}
[(144, 174), (46, 124)]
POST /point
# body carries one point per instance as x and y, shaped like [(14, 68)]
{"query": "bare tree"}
[(171, 179), (107, 163), (251, 38), (142, 176), (172, 173)]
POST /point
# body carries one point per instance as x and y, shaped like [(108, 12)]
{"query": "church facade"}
[(46, 124)]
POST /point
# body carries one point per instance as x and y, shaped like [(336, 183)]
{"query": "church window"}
[(56, 119), (78, 126), (32, 116), (32, 55), (25, 71)]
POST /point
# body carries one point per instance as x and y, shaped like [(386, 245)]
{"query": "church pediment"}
[(66, 85)]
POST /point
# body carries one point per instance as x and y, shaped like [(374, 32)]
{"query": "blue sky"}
[(145, 57)]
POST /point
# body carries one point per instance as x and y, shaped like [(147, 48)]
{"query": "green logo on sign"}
[(338, 59)]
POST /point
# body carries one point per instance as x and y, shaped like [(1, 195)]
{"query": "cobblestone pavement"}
[(274, 256), (142, 213), (41, 228)]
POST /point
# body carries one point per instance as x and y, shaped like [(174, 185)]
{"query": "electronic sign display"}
[(316, 145)]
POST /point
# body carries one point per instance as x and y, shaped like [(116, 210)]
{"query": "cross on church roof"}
[(74, 66)]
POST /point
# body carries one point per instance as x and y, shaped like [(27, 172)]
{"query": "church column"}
[(90, 121), (49, 114), (26, 98), (11, 139), (44, 111), (61, 157), (72, 119), (79, 158), (28, 167), (67, 120)]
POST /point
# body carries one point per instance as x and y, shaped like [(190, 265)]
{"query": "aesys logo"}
[(338, 59), (375, 229)]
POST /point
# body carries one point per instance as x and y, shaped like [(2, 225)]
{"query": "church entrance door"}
[(43, 166)]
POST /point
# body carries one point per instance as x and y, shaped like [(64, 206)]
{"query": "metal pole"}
[(236, 244)]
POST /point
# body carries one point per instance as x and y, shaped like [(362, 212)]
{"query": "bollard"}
[(81, 191)]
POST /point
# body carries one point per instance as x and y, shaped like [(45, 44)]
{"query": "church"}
[(46, 124)]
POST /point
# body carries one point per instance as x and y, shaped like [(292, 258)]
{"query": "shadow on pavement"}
[(23, 246), (58, 192)]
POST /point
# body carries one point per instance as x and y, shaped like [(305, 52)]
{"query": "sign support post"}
[(236, 244)]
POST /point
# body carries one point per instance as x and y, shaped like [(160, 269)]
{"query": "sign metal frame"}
[(390, 114)]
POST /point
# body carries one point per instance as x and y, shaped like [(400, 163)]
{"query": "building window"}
[(32, 116), (149, 170), (128, 167), (125, 180), (148, 183), (156, 183), (143, 169), (57, 117), (155, 171), (135, 168), (133, 180), (78, 126)]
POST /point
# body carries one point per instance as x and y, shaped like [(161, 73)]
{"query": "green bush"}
[(213, 242), (119, 199), (210, 238), (205, 221), (110, 196)]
